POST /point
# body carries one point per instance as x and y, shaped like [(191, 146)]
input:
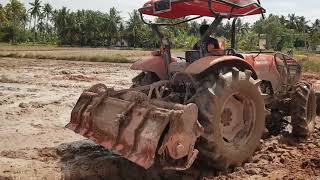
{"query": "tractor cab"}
[(192, 10)]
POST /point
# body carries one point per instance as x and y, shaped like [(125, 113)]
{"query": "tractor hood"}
[(174, 9)]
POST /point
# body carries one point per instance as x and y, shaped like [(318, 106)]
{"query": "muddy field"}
[(36, 98)]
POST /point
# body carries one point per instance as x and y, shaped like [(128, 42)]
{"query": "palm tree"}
[(35, 11), (194, 28), (41, 25), (61, 24), (25, 19), (113, 19), (292, 21), (204, 21), (283, 20), (121, 33), (302, 26), (134, 26), (316, 25), (47, 12), (314, 35), (15, 11), (301, 23), (3, 18)]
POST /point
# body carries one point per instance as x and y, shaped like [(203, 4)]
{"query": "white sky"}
[(308, 8)]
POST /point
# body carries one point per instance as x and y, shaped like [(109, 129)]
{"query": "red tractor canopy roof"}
[(174, 9)]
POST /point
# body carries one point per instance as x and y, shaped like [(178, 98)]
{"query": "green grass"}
[(310, 61), (72, 54), (311, 66), (6, 46), (112, 59)]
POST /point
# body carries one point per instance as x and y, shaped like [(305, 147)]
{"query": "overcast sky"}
[(308, 8)]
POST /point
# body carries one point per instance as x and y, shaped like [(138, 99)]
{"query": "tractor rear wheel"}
[(303, 110), (232, 111)]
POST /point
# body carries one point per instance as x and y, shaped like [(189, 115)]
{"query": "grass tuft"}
[(311, 66), (78, 55)]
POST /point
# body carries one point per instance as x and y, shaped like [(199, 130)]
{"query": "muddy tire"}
[(303, 110), (144, 78), (232, 110)]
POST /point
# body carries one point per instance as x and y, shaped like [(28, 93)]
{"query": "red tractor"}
[(212, 106)]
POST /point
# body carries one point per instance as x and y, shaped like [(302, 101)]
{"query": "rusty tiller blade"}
[(130, 125)]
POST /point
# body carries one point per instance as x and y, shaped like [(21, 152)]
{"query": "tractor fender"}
[(266, 69), (204, 64), (155, 64)]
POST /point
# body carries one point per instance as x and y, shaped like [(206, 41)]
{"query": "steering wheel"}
[(230, 52)]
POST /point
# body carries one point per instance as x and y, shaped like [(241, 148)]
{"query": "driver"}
[(212, 44)]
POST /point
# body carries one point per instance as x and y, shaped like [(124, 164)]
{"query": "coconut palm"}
[(113, 19), (134, 26), (60, 20), (194, 28), (15, 11), (47, 12), (316, 25), (302, 26), (3, 18), (41, 27), (301, 23), (292, 21), (121, 33), (35, 11)]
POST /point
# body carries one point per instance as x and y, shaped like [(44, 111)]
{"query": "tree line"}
[(44, 24)]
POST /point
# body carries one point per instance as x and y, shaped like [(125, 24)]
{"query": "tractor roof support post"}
[(165, 44), (234, 34)]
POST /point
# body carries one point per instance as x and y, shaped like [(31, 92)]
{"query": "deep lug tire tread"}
[(303, 102), (212, 151)]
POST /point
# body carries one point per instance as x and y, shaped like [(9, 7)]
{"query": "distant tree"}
[(47, 12), (35, 12), (283, 20), (3, 17), (292, 21), (316, 25), (15, 13), (194, 28), (204, 21), (61, 25), (302, 26), (25, 19), (41, 27), (95, 28), (135, 26), (314, 35), (274, 30), (121, 32), (242, 27), (113, 20)]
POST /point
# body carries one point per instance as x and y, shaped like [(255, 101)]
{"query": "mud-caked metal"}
[(129, 124)]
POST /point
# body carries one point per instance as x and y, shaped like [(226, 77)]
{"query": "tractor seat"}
[(216, 52), (219, 51), (194, 55)]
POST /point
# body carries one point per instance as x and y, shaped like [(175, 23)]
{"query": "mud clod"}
[(24, 105), (253, 171)]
